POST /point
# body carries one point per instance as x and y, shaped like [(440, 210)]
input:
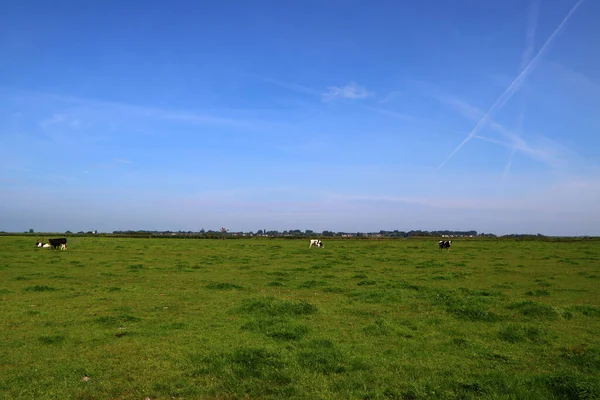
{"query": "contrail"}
[(514, 146), (507, 168), (513, 87), (529, 47), (530, 34)]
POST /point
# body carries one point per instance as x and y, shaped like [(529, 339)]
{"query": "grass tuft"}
[(274, 307), (534, 310), (366, 283), (382, 327), (464, 306), (322, 356), (514, 333), (116, 321), (569, 386), (223, 286), (280, 329), (588, 311), (586, 359), (312, 284), (538, 292), (54, 339), (40, 288)]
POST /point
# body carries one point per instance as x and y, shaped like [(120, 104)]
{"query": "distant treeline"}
[(299, 234), (293, 234)]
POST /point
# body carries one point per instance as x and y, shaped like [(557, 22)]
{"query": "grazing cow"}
[(316, 242), (445, 244), (60, 242), (40, 244)]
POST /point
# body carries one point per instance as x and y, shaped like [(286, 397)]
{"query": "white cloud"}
[(351, 91)]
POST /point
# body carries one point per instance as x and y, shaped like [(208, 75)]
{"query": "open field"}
[(260, 318)]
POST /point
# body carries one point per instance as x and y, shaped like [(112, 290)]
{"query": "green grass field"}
[(115, 318)]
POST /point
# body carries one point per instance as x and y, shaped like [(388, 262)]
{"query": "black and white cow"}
[(59, 242), (316, 242), (445, 244), (40, 244)]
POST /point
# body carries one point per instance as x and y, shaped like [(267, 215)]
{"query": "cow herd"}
[(443, 244), (60, 243)]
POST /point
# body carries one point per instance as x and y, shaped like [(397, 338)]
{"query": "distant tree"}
[(224, 231), (31, 231), (68, 232), (308, 232), (259, 232)]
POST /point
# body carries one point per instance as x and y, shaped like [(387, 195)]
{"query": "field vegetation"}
[(123, 318)]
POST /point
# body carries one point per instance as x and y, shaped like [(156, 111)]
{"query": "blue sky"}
[(340, 115)]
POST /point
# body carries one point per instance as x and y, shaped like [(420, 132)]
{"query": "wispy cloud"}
[(389, 113), (9, 180), (579, 82), (393, 95), (60, 177), (61, 120), (351, 91), (113, 163), (293, 87), (576, 190), (55, 119), (74, 107), (513, 87)]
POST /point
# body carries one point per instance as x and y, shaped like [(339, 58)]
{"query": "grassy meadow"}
[(116, 318)]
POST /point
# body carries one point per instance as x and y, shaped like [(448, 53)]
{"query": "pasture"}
[(114, 318)]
